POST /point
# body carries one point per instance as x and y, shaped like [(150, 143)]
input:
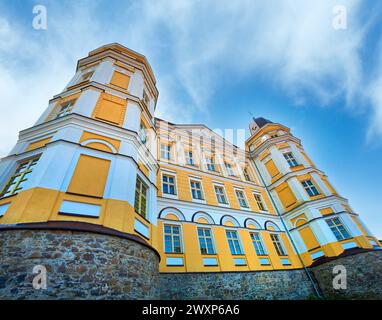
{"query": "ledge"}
[(346, 253)]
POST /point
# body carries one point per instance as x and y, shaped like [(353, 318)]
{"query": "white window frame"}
[(229, 168), (239, 241), (227, 204), (261, 242), (193, 179), (210, 162), (245, 199), (170, 174), (262, 201), (190, 160), (280, 240), (166, 151), (201, 226), (30, 163), (173, 223), (290, 158), (147, 196), (310, 187), (61, 112), (336, 227), (143, 133)]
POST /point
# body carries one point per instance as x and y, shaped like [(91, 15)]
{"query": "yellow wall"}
[(41, 205), (38, 144), (193, 259)]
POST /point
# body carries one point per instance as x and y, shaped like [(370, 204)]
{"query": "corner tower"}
[(320, 221), (89, 162)]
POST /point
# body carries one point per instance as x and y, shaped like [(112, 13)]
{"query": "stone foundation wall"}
[(363, 276), (79, 265), (90, 265), (285, 284)]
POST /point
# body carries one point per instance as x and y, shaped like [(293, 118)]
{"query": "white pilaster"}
[(320, 184), (279, 160), (104, 72), (132, 119), (86, 102), (298, 190)]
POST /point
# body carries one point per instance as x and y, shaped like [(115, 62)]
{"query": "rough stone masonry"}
[(89, 265)]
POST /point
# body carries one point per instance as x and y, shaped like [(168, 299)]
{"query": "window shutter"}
[(90, 176), (111, 109), (287, 197), (272, 169), (309, 238), (120, 79)]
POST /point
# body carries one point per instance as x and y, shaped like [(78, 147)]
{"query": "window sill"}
[(225, 205), (170, 196), (199, 201)]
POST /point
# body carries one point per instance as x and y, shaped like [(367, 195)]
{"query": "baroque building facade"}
[(98, 156)]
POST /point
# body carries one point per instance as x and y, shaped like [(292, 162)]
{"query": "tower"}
[(89, 163), (319, 220)]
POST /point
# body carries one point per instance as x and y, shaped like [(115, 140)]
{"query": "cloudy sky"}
[(217, 62)]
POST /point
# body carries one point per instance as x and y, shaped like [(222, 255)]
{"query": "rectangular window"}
[(220, 195), (172, 240), (310, 188), (165, 151), (246, 175), (338, 229), (278, 244), (168, 183), (19, 178), (142, 133), (145, 99), (189, 158), (205, 241), (229, 169), (233, 242), (290, 159), (258, 244), (260, 202), (86, 76), (210, 164), (241, 198), (141, 198), (65, 109), (196, 190)]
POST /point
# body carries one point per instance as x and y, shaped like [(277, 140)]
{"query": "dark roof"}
[(261, 122)]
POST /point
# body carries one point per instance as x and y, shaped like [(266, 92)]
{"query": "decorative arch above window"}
[(252, 224), (269, 225), (202, 216), (99, 145), (229, 221), (171, 210)]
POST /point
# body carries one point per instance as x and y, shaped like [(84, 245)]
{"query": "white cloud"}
[(193, 46)]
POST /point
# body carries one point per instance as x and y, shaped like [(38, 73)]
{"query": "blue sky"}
[(216, 62)]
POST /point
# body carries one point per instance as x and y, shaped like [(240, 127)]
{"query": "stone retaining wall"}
[(79, 265), (284, 284), (90, 265), (363, 276)]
